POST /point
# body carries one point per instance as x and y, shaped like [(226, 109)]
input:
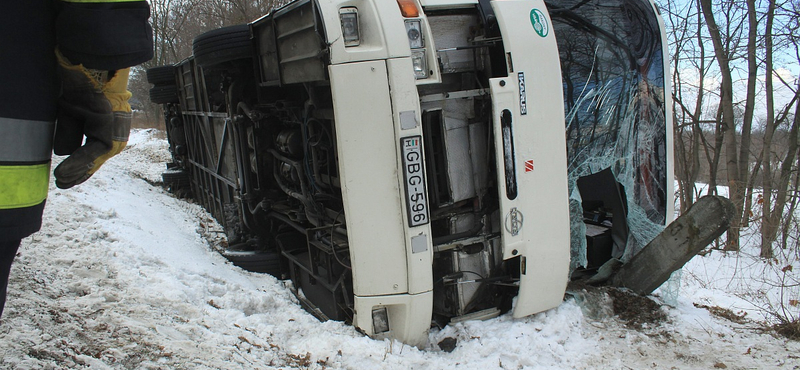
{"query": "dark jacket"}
[(100, 34)]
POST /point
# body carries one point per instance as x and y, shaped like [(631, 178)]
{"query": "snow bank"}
[(121, 277)]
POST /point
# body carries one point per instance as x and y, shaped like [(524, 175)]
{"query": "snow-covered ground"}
[(122, 277)]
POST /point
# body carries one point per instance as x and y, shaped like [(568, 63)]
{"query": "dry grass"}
[(724, 313), (789, 330)]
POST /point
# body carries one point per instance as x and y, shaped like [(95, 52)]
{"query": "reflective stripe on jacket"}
[(25, 147)]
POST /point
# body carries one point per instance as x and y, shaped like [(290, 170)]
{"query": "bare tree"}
[(726, 46), (749, 108), (776, 190), (688, 54)]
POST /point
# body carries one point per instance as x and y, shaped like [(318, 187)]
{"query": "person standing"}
[(64, 70)]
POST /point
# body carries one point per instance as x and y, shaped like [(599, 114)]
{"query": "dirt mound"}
[(599, 303), (635, 310)]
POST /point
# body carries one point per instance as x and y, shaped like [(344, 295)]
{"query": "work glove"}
[(93, 104)]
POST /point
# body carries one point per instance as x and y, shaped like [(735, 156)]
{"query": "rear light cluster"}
[(419, 57), (351, 33)]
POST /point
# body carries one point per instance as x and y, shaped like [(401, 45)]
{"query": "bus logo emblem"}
[(539, 23)]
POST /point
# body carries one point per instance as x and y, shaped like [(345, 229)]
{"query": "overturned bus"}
[(418, 162)]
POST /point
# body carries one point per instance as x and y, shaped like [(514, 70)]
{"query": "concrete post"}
[(706, 220)]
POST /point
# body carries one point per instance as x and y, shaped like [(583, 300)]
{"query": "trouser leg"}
[(8, 250), (29, 88)]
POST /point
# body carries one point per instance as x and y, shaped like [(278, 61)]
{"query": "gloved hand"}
[(93, 104)]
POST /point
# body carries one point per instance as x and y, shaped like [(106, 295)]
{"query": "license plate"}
[(414, 175)]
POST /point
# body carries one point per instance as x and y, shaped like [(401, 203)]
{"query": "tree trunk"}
[(735, 186), (749, 108), (715, 156), (770, 225), (769, 221), (751, 183), (787, 224)]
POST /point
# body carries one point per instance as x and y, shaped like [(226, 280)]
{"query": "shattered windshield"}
[(613, 74)]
